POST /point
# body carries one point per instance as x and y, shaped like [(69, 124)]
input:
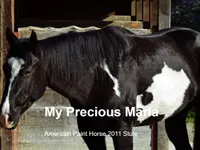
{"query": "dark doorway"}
[(32, 11)]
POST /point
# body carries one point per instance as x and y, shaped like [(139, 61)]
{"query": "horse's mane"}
[(79, 51)]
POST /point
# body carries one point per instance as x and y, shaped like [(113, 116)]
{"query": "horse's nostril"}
[(10, 118), (6, 120)]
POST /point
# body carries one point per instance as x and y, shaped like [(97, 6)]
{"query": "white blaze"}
[(15, 64), (116, 83), (168, 90)]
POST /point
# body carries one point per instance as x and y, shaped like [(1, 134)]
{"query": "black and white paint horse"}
[(109, 68)]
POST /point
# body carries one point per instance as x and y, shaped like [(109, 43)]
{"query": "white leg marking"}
[(15, 64), (116, 83), (168, 90)]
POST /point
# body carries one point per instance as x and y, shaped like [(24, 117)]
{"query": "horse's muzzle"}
[(6, 121)]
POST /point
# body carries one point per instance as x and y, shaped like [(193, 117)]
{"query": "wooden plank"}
[(9, 139), (139, 10), (164, 21), (146, 10), (117, 18), (154, 26), (108, 16), (12, 14), (133, 9), (154, 142), (146, 14), (154, 14), (164, 14)]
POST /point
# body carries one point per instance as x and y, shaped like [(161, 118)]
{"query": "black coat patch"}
[(147, 98)]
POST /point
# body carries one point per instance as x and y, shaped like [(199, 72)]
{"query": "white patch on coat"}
[(15, 64), (116, 83), (168, 90)]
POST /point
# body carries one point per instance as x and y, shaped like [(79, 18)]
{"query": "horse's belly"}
[(168, 91)]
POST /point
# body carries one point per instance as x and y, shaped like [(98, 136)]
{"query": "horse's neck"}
[(66, 83), (76, 92), (66, 66)]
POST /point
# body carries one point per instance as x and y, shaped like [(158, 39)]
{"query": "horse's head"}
[(24, 79)]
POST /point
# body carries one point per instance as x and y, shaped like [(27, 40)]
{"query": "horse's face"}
[(24, 79)]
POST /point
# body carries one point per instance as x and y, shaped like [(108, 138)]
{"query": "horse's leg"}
[(122, 136), (197, 123), (92, 142), (177, 131)]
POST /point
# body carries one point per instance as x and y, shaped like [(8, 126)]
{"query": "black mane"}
[(84, 49)]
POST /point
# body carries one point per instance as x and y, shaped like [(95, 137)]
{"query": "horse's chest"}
[(165, 95)]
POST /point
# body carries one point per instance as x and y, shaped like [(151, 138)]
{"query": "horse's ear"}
[(33, 37), (10, 36), (33, 40)]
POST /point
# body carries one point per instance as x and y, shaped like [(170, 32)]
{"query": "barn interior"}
[(40, 13)]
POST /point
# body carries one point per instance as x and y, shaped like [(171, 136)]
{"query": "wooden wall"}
[(145, 11), (8, 138)]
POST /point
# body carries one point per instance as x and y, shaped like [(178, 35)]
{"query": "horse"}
[(135, 80)]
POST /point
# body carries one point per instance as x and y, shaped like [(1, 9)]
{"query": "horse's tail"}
[(197, 124)]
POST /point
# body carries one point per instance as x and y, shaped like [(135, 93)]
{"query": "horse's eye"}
[(22, 67), (27, 71)]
